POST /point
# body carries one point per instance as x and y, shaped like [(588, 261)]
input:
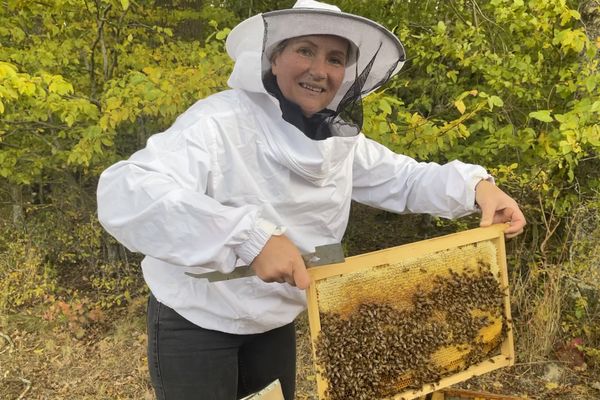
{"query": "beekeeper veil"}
[(375, 55)]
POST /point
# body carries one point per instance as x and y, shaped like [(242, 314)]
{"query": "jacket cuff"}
[(257, 238)]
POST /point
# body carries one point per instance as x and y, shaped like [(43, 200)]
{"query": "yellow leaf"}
[(60, 86), (551, 385), (113, 103), (460, 106), (125, 4), (9, 70)]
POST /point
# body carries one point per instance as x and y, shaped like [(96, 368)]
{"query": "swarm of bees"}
[(379, 348)]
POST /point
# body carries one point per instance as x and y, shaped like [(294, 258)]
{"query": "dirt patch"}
[(48, 361)]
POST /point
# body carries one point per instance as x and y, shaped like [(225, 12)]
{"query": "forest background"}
[(509, 84)]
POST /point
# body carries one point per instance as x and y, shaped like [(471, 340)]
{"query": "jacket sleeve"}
[(397, 183), (156, 203)]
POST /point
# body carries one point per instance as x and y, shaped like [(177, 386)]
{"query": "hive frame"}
[(362, 262)]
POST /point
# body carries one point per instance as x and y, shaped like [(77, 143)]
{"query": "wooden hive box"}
[(406, 321)]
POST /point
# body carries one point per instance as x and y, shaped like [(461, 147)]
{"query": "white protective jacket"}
[(197, 196)]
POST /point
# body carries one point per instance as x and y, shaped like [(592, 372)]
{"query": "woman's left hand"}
[(498, 207)]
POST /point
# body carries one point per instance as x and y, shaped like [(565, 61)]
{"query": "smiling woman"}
[(257, 175), (310, 70)]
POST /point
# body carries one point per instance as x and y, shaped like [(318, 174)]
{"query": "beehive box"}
[(406, 321)]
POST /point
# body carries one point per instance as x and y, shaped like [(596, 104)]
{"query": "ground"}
[(111, 364), (45, 358)]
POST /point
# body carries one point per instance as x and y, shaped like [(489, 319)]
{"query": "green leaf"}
[(59, 86), (452, 75), (125, 4), (565, 147), (385, 106), (222, 34), (441, 27), (541, 115), (497, 101), (7, 70)]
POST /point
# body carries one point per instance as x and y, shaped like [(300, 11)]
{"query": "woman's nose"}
[(318, 68)]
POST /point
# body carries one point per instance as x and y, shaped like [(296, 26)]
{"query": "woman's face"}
[(310, 70)]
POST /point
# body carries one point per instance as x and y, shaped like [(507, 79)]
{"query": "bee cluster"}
[(378, 350)]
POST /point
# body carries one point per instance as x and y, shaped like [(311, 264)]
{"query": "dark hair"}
[(279, 47)]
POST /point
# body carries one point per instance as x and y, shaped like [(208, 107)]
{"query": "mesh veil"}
[(375, 55)]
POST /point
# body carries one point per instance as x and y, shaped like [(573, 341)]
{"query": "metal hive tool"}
[(403, 322)]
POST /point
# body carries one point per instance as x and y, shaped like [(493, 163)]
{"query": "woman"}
[(257, 175)]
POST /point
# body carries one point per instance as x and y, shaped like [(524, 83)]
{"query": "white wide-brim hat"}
[(377, 54)]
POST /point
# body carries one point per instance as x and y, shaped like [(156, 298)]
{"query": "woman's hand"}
[(280, 261), (497, 207)]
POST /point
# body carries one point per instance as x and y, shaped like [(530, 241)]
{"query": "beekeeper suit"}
[(208, 192), (235, 169)]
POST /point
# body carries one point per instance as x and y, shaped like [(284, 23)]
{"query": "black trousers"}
[(187, 362)]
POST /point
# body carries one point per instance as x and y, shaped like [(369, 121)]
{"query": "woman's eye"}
[(305, 51), (337, 61)]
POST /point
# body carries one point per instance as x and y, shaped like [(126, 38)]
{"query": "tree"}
[(74, 76)]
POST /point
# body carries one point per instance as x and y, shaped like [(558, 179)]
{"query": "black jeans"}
[(187, 362)]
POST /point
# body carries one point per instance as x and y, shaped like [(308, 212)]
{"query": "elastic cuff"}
[(257, 238)]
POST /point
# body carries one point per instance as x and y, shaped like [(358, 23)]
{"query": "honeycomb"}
[(422, 319)]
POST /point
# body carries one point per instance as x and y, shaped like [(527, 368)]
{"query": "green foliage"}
[(83, 254), (510, 85), (73, 76), (81, 86), (25, 278), (582, 281)]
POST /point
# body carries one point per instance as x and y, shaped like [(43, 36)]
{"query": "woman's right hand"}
[(280, 261)]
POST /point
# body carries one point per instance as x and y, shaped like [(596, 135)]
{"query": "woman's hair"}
[(282, 45), (278, 49)]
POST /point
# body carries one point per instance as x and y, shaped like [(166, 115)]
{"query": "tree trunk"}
[(17, 207)]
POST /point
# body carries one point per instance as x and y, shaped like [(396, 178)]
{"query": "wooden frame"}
[(446, 394), (360, 263)]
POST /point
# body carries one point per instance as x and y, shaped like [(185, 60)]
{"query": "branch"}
[(101, 20), (456, 12), (118, 29), (9, 343), (487, 19), (551, 227), (27, 383), (40, 123)]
